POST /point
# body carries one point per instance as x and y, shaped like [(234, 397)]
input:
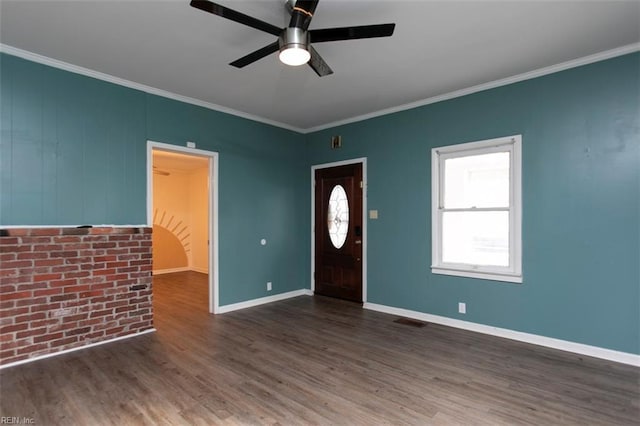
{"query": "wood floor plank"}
[(313, 360)]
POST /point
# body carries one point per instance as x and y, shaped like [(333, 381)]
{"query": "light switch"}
[(373, 214)]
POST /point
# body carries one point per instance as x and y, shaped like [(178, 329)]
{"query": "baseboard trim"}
[(170, 270), (66, 351), (201, 270), (549, 342), (263, 300)]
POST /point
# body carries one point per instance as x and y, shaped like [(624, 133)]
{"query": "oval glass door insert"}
[(338, 216)]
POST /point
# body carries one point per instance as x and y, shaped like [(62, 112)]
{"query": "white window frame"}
[(512, 273)]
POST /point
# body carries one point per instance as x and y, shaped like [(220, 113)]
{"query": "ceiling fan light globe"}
[(294, 56)]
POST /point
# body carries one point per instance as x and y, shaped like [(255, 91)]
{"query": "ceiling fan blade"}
[(318, 64), (254, 56), (241, 18), (351, 33), (302, 13)]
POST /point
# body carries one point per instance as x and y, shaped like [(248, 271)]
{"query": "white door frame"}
[(362, 160), (214, 304)]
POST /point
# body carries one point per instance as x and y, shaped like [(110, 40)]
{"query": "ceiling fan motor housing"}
[(293, 37)]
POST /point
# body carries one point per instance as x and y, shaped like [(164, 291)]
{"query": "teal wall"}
[(73, 151), (581, 203)]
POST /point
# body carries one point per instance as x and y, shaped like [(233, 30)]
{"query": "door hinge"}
[(361, 185)]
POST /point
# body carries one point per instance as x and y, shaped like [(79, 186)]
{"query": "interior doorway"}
[(339, 230), (182, 208)]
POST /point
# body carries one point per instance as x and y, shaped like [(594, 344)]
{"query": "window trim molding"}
[(514, 273)]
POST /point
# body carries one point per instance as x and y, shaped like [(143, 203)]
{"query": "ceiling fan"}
[(294, 41)]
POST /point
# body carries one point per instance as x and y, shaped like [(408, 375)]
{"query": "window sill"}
[(511, 278)]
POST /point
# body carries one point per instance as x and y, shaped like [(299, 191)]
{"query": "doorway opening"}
[(182, 207), (339, 229)]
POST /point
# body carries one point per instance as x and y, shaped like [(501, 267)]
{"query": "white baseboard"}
[(261, 301), (201, 270), (66, 351), (549, 342), (171, 270)]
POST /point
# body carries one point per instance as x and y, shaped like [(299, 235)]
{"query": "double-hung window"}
[(476, 209)]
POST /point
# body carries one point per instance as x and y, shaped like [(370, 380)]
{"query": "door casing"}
[(362, 160), (214, 304)]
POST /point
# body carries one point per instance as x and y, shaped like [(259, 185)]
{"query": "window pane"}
[(338, 216), (477, 181), (476, 238)]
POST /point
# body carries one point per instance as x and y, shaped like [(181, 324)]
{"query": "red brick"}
[(75, 318), (31, 349), (47, 247), (68, 239), (14, 249), (76, 288), (106, 245), (14, 344), (45, 231), (101, 286), (101, 313), (12, 328), (5, 288), (49, 262), (129, 244), (62, 327), (7, 355), (36, 240), (32, 286), (63, 297), (16, 295), (9, 241), (13, 312), (48, 292), (32, 332), (17, 264), (76, 260), (92, 266), (65, 253), (114, 330), (46, 277), (32, 255), (90, 322), (101, 231), (42, 306), (77, 246), (30, 317), (62, 283), (80, 274), (122, 237), (65, 341), (5, 257), (47, 337), (105, 272), (44, 323), (77, 331), (118, 251), (65, 268)]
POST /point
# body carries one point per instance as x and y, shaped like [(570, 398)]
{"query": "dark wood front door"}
[(338, 232)]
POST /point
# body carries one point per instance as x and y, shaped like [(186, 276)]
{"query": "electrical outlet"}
[(462, 308), (269, 286)]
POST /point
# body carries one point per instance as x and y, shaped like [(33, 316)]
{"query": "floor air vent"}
[(411, 322)]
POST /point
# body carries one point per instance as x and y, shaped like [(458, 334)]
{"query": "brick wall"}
[(62, 288)]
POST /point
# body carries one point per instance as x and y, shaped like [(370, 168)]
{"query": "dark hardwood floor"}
[(313, 360)]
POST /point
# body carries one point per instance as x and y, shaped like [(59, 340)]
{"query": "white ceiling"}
[(438, 47)]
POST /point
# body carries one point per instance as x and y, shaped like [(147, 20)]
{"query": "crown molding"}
[(597, 57), (45, 60)]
